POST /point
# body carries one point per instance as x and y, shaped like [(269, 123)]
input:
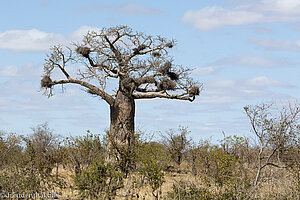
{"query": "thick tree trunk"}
[(121, 133)]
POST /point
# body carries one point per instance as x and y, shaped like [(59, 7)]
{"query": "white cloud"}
[(227, 91), (214, 17), (8, 70), (255, 61), (218, 99), (258, 61), (221, 83), (285, 7), (210, 18), (126, 9), (36, 40), (208, 70), (27, 40), (30, 71), (132, 9), (263, 81), (277, 44), (78, 34)]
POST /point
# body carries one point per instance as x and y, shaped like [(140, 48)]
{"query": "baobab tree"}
[(139, 64)]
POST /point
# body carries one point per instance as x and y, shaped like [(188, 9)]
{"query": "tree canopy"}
[(139, 62)]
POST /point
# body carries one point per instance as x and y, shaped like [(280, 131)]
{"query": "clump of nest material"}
[(170, 45), (165, 70), (140, 48), (84, 51), (144, 80), (194, 91), (46, 82), (173, 76), (166, 84), (156, 54)]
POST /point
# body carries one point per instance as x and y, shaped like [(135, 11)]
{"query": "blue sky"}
[(243, 51)]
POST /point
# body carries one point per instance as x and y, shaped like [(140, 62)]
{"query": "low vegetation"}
[(264, 166)]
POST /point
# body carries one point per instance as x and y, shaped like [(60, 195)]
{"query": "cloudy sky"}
[(243, 51)]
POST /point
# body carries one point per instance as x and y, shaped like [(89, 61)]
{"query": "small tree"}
[(11, 154), (82, 151), (42, 147), (98, 181), (139, 64), (152, 160), (10, 149), (276, 135), (176, 143)]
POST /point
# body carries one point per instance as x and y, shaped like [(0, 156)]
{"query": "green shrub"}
[(100, 181), (153, 159), (80, 152)]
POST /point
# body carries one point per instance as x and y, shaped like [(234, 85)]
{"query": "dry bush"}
[(277, 133), (234, 168), (28, 161), (80, 152), (176, 143)]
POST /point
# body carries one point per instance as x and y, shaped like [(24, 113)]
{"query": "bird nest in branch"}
[(156, 54), (166, 84), (170, 45), (194, 91), (165, 68), (84, 51), (139, 48), (46, 82), (173, 76), (144, 80), (142, 47)]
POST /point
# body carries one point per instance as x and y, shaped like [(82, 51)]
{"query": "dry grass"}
[(281, 185)]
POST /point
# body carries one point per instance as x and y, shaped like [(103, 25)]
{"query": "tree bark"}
[(122, 113)]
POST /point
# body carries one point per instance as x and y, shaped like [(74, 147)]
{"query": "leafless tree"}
[(177, 143), (276, 134), (139, 64), (43, 148)]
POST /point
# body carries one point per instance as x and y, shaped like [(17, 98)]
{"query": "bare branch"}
[(64, 72), (128, 58), (112, 47), (182, 96), (275, 165), (109, 99)]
